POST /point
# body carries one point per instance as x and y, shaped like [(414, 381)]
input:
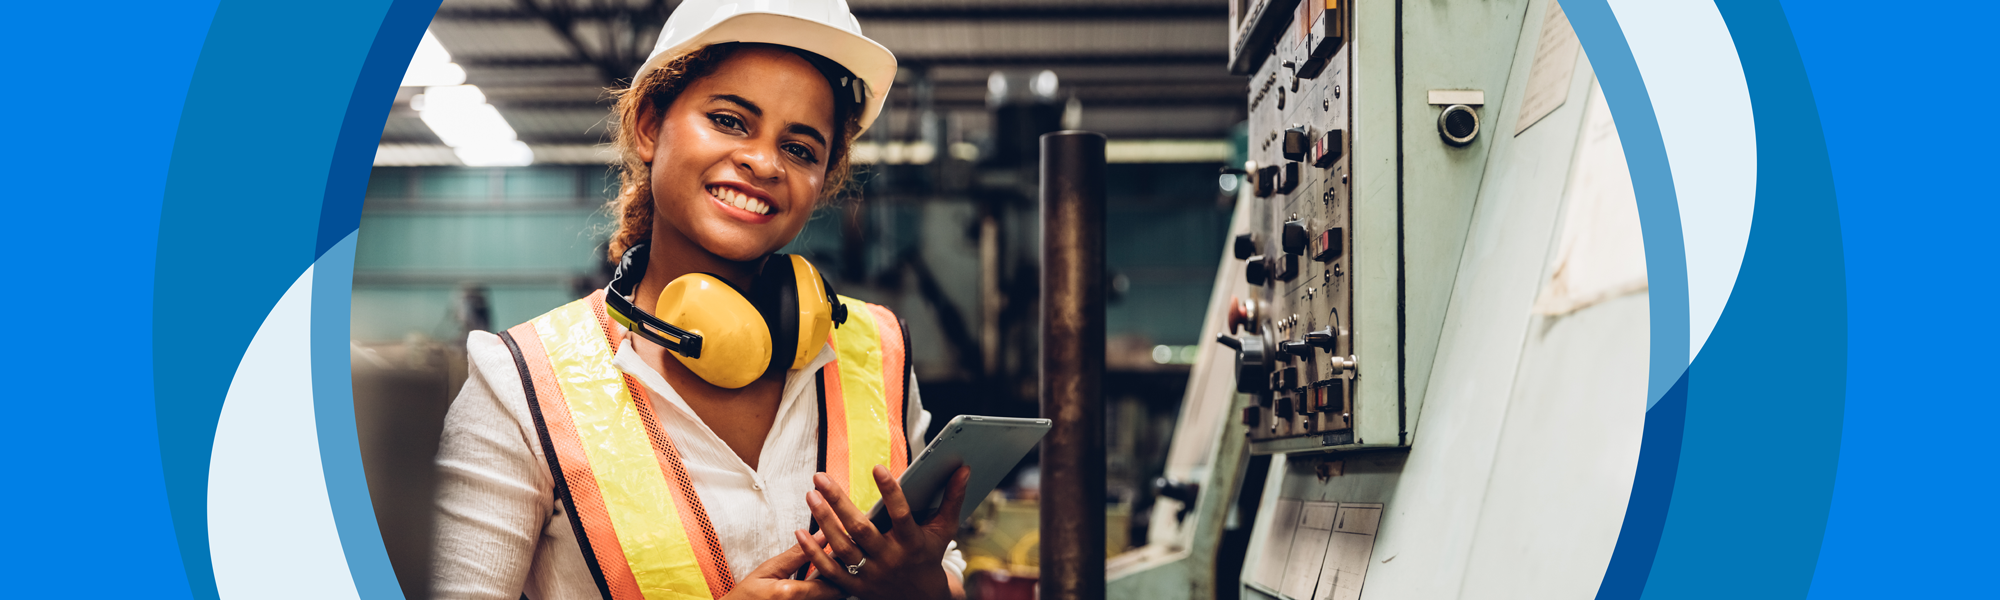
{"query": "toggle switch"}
[(1330, 244), (1323, 337), (1326, 149)]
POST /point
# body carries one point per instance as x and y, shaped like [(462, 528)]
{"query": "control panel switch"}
[(1256, 270), (1289, 179), (1266, 180), (1294, 237), (1288, 267), (1327, 149), (1329, 245), (1323, 37), (1321, 338), (1297, 144), (1253, 361), (1246, 245)]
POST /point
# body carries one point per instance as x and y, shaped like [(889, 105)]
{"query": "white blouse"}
[(500, 533)]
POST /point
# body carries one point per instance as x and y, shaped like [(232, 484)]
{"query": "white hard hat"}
[(823, 27)]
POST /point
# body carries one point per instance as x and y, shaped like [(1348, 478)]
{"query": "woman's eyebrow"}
[(739, 101), (752, 108), (808, 131)]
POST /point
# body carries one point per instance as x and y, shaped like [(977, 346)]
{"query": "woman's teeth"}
[(738, 200)]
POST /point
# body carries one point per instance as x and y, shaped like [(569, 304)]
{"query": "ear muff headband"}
[(618, 302), (778, 300)]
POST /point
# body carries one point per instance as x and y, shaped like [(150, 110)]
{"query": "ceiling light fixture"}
[(459, 114), (432, 65)]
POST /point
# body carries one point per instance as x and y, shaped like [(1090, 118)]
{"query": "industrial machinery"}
[(1437, 229)]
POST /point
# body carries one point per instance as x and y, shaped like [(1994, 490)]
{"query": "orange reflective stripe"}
[(701, 537), (605, 556), (835, 406), (894, 376), (639, 520)]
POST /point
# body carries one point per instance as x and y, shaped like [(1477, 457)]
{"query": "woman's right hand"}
[(773, 581)]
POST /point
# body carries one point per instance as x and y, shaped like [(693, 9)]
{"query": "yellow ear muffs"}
[(797, 310), (815, 311), (729, 338), (735, 341)]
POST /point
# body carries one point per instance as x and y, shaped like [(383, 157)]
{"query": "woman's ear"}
[(647, 130)]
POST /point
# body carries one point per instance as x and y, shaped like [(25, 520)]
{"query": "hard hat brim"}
[(868, 60)]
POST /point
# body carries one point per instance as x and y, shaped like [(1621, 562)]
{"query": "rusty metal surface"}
[(1073, 290)]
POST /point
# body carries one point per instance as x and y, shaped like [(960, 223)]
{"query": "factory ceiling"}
[(1140, 69)]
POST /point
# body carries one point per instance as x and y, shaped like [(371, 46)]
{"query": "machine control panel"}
[(1294, 347)]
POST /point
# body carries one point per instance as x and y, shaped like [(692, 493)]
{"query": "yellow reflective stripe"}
[(858, 346), (636, 495)]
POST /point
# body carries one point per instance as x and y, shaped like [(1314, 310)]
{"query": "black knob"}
[(1253, 362), (1288, 267), (1458, 124), (1295, 348), (1246, 245), (1321, 338), (1294, 238), (1257, 270), (1284, 408), (1267, 180), (1297, 144)]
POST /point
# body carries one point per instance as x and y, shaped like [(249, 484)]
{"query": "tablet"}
[(992, 446)]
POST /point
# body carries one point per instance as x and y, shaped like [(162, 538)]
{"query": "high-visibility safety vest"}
[(642, 527)]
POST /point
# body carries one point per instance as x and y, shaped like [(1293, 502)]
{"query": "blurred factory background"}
[(473, 225)]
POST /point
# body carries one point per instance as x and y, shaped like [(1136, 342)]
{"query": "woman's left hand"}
[(903, 564)]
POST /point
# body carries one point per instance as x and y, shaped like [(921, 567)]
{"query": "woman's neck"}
[(671, 255)]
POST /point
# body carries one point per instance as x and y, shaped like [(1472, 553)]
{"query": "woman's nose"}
[(760, 163)]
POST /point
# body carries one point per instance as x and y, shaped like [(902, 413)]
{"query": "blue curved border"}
[(233, 231), (1745, 466), (1740, 446), (1652, 184), (340, 219)]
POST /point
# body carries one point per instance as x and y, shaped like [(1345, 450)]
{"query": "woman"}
[(653, 442)]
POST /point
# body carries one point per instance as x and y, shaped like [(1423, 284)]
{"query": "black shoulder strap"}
[(555, 467), (909, 374), (819, 379)]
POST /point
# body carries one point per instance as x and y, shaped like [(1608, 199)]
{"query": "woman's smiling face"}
[(740, 156)]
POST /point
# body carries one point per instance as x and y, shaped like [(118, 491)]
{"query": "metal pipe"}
[(1072, 395)]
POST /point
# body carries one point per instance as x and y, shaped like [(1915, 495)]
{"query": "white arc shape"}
[(270, 525), (1695, 79)]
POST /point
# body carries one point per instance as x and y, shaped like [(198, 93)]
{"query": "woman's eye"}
[(726, 121), (802, 151)]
